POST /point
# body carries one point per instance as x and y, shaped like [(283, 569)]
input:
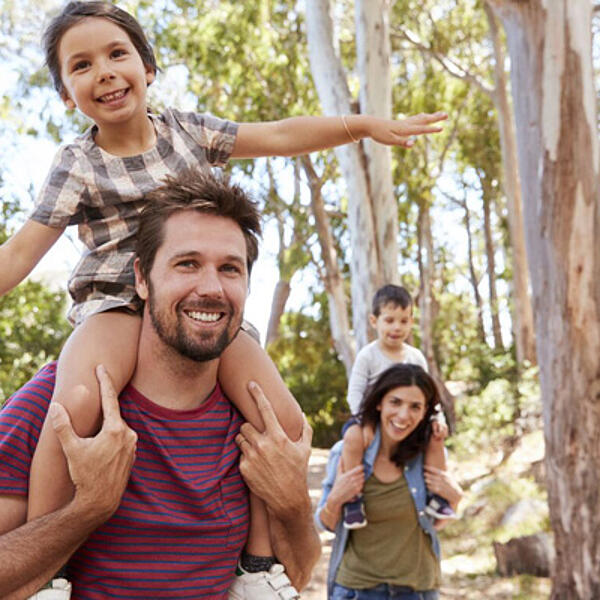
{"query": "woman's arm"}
[(23, 251), (300, 135)]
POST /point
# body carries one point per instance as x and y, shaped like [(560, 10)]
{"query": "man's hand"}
[(274, 467), (98, 466), (276, 470)]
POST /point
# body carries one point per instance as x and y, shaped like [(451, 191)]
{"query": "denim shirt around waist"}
[(413, 471)]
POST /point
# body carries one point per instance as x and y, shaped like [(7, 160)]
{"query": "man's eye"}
[(186, 264), (231, 269)]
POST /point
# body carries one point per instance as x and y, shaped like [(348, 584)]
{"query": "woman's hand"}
[(346, 486), (442, 483), (401, 132)]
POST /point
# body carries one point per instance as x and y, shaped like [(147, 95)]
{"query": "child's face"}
[(103, 73), (393, 325)]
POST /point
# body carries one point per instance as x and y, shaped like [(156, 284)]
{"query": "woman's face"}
[(402, 409)]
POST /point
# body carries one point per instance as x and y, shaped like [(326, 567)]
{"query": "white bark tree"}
[(366, 167), (555, 108)]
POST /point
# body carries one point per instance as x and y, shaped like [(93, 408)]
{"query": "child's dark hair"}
[(73, 13), (402, 375), (390, 294)]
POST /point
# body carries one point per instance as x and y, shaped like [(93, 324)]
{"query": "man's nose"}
[(208, 282)]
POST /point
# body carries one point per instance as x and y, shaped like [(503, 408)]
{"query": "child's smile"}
[(104, 76)]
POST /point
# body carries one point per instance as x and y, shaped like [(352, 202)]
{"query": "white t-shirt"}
[(370, 363)]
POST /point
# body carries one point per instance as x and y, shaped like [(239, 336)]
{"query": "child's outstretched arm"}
[(20, 253), (301, 135)]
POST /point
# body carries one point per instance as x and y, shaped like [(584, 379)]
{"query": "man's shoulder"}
[(39, 388)]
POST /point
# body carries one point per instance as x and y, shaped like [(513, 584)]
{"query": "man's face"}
[(197, 286)]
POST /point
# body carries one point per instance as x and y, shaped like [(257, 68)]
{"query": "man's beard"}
[(198, 348)]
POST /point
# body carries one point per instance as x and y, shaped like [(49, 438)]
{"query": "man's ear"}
[(140, 283)]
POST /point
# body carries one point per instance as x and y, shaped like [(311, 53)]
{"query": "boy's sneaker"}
[(265, 585), (440, 509), (60, 589), (354, 514)]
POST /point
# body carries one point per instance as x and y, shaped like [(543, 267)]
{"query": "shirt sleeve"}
[(359, 381), (21, 420), (60, 199), (216, 136)]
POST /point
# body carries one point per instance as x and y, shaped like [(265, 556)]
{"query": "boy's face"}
[(103, 73), (393, 325)]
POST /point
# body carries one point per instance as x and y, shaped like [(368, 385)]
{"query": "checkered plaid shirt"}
[(103, 195)]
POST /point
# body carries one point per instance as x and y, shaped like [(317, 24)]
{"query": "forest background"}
[(453, 219)]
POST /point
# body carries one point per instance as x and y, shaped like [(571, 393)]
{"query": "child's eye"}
[(81, 64), (117, 53)]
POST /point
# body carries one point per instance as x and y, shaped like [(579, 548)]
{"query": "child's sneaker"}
[(265, 585), (354, 514), (438, 508), (60, 589)]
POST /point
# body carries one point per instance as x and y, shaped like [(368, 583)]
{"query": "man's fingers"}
[(307, 432), (110, 403), (61, 423), (264, 407)]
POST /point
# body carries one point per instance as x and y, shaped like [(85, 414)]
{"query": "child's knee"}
[(353, 436)]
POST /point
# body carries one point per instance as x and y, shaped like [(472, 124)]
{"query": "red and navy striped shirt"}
[(183, 519)]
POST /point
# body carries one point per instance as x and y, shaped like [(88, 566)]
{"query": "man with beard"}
[(183, 518)]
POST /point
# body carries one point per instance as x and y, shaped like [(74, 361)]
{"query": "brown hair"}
[(403, 375), (202, 192), (73, 13)]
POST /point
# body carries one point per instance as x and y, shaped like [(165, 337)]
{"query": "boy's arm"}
[(300, 135), (23, 251)]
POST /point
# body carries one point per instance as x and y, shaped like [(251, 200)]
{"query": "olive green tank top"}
[(392, 548)]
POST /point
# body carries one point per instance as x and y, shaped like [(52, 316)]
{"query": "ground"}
[(468, 565)]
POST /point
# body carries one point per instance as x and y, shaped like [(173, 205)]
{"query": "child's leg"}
[(353, 448), (435, 456), (243, 361), (111, 339)]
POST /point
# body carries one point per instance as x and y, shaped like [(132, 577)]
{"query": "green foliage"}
[(503, 409), (33, 329), (308, 363)]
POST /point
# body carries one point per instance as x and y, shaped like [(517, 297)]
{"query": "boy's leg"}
[(111, 339), (435, 456), (243, 361), (354, 516)]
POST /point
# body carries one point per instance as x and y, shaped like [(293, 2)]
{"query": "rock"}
[(531, 554)]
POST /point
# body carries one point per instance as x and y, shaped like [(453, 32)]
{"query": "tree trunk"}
[(372, 209), (555, 109), (491, 268), (521, 310), (280, 298), (332, 279), (473, 275), (373, 53)]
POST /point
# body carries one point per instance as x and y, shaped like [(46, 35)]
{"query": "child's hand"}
[(400, 132), (439, 430)]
